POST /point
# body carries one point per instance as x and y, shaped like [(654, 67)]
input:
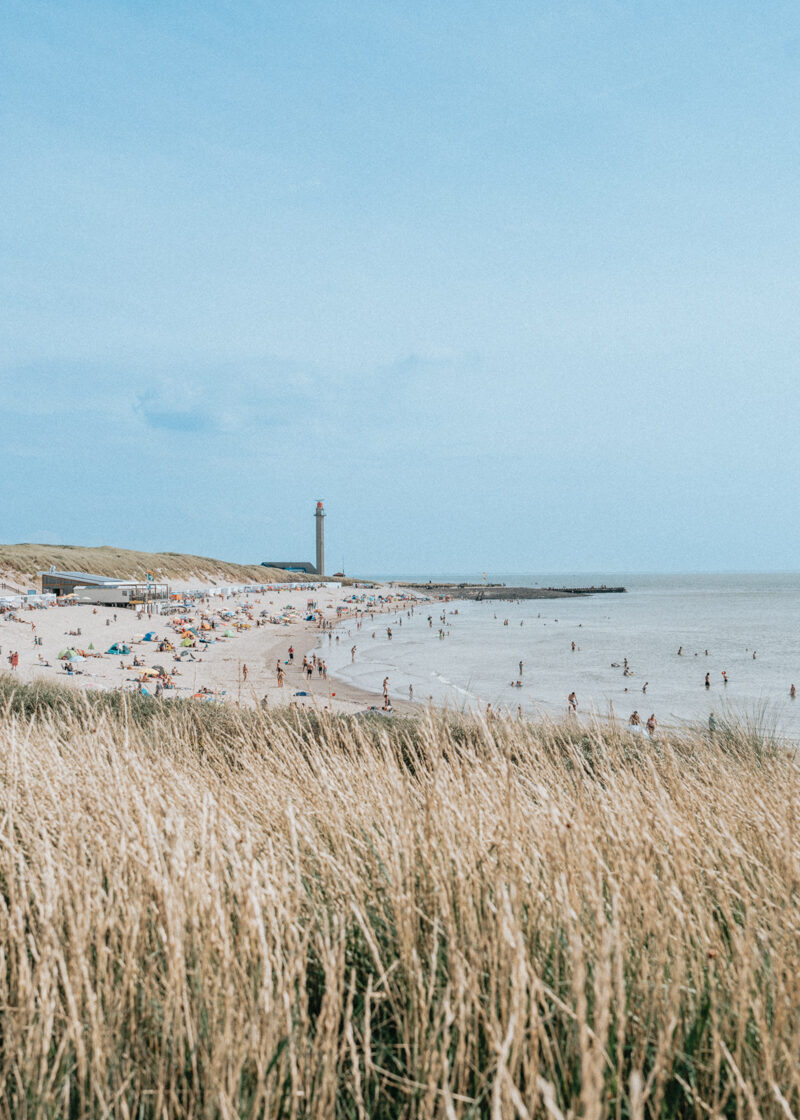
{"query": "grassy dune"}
[(206, 912), (23, 561)]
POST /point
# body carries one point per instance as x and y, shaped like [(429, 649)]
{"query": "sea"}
[(466, 654)]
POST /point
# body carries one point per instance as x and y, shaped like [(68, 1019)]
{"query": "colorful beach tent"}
[(118, 647), (229, 633)]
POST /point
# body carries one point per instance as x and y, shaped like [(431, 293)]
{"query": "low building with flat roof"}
[(290, 566), (106, 590)]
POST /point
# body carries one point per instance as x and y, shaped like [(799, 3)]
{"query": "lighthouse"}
[(320, 518)]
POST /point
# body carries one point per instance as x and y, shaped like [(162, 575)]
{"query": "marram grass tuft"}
[(243, 914)]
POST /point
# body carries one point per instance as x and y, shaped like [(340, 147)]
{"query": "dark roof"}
[(85, 577)]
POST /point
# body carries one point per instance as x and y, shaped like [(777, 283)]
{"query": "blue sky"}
[(510, 286)]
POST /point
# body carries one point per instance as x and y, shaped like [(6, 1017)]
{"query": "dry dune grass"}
[(24, 561), (209, 913)]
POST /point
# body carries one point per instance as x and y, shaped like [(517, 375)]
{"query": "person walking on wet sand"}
[(708, 680), (724, 676), (244, 673), (651, 725), (352, 653), (793, 692), (281, 675), (572, 700)]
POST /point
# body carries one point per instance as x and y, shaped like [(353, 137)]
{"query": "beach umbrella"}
[(74, 657), (186, 642), (160, 669), (148, 673), (91, 645)]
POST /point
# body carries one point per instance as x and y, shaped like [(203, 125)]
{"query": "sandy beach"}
[(250, 633)]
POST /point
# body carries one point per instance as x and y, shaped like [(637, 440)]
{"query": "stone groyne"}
[(481, 591)]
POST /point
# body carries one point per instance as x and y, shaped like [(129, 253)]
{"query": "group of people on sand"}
[(635, 720)]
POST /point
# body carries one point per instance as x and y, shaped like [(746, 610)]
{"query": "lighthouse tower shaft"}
[(320, 519)]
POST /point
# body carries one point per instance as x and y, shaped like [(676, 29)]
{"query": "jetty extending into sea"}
[(480, 591)]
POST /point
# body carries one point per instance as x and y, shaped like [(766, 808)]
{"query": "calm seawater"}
[(731, 616)]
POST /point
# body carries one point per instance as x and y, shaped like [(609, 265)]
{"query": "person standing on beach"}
[(572, 700), (651, 725), (291, 653), (708, 680), (352, 653), (520, 667), (724, 676)]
